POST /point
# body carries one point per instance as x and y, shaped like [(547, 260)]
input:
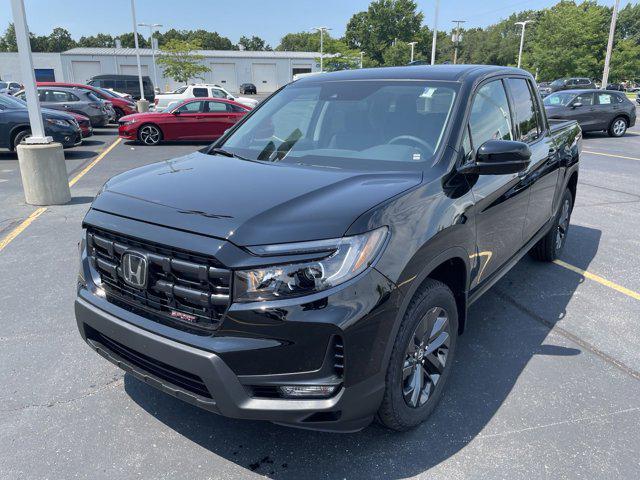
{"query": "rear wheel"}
[(149, 134), (618, 127), (421, 359), (551, 245), (20, 136)]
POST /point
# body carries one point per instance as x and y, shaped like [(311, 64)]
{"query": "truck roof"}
[(456, 73)]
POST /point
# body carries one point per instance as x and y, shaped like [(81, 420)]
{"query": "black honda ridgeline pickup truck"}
[(314, 266)]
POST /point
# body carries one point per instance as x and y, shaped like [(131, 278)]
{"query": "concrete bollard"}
[(143, 105), (44, 174)]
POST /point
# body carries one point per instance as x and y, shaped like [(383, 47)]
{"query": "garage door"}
[(224, 74), (264, 77), (84, 70), (133, 69)]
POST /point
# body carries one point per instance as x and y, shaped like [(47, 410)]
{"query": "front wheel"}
[(618, 127), (149, 134), (421, 358), (551, 245), (20, 136)]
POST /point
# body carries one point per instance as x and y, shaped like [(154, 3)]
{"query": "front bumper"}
[(128, 132), (68, 138)]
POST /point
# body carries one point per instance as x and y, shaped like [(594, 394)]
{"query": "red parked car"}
[(84, 122), (122, 106), (193, 119)]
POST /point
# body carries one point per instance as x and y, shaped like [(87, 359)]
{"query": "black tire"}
[(149, 134), (20, 136), (431, 303), (551, 245), (618, 127)]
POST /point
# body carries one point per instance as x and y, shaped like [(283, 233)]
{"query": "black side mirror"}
[(176, 112), (576, 105), (499, 157)]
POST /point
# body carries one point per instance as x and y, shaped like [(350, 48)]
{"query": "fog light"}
[(315, 391)]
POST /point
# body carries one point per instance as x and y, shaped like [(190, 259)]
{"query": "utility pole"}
[(361, 59), (413, 44), (607, 60), (524, 25), (456, 39), (321, 30), (143, 105), (435, 34), (41, 160), (153, 48)]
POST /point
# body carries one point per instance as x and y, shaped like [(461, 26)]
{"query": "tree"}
[(384, 23), (254, 43), (128, 40), (179, 61), (101, 40), (625, 61), (8, 40), (397, 55), (207, 40), (300, 42), (60, 40)]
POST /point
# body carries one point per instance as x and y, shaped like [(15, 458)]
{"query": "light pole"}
[(361, 59), (607, 59), (524, 25), (456, 39), (321, 30), (435, 34), (413, 44), (153, 49), (143, 105)]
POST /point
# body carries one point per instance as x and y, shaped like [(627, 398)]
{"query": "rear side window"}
[(490, 119), (200, 92), (218, 107), (237, 109), (524, 110), (608, 98)]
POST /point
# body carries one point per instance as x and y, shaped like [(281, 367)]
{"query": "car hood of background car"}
[(249, 203)]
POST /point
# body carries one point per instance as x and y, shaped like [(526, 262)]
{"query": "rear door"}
[(500, 200), (541, 177), (607, 107), (221, 116)]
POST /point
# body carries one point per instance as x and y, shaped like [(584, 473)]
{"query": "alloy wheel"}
[(426, 357), (149, 135), (619, 127), (563, 225)]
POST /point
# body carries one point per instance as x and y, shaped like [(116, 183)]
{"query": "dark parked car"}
[(616, 86), (15, 126), (544, 88), (314, 267), (594, 110), (574, 83), (125, 84), (248, 88), (76, 100), (193, 119), (10, 87)]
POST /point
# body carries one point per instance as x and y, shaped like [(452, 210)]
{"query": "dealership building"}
[(268, 71)]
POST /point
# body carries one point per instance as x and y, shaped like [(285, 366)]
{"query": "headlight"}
[(55, 121), (130, 122), (346, 258)]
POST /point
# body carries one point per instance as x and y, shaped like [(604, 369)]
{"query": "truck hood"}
[(249, 203)]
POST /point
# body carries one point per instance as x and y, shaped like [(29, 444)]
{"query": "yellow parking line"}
[(599, 279), (75, 179), (19, 229), (611, 155), (27, 221)]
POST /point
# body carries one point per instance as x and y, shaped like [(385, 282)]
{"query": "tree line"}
[(567, 39)]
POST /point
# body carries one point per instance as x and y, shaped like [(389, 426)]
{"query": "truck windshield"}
[(345, 123), (559, 99)]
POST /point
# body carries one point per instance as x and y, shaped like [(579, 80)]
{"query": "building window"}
[(45, 74)]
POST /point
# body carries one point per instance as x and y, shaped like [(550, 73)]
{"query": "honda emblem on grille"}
[(134, 269)]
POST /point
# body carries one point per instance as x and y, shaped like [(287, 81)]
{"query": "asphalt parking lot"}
[(546, 383)]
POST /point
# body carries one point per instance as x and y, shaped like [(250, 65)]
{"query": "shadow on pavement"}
[(80, 200), (91, 143), (79, 154), (499, 342)]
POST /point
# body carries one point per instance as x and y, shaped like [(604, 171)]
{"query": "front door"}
[(584, 111), (185, 123), (500, 200)]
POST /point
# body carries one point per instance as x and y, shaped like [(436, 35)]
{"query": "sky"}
[(269, 19)]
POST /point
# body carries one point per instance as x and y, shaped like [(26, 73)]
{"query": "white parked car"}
[(200, 90)]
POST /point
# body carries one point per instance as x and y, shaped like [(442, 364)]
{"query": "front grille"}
[(175, 376), (183, 289)]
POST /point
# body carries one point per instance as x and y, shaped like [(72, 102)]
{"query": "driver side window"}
[(490, 116)]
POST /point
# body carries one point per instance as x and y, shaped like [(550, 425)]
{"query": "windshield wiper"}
[(226, 153)]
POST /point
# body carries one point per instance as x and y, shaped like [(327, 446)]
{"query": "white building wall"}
[(10, 65)]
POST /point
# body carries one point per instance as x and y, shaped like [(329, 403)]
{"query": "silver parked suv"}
[(76, 100)]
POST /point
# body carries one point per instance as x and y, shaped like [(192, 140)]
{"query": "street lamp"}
[(321, 30), (153, 49), (456, 39), (524, 25), (413, 44), (435, 34), (607, 59), (361, 59), (143, 105)]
